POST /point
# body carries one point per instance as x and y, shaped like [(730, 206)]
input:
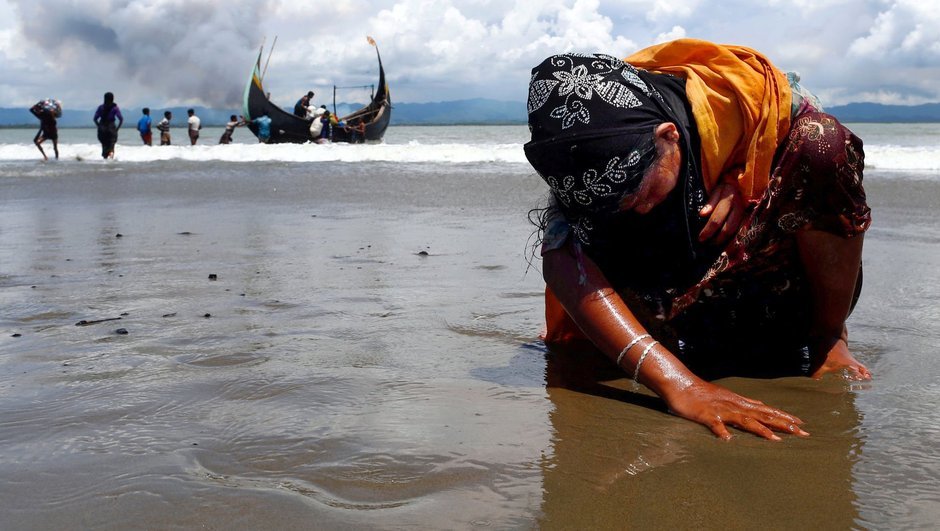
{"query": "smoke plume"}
[(187, 51)]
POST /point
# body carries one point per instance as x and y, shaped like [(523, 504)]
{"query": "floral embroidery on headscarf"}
[(595, 184), (576, 82)]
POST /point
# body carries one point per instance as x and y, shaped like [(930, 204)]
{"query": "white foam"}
[(877, 157), (410, 152), (902, 158)]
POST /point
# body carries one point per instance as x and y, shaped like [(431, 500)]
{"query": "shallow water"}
[(367, 356)]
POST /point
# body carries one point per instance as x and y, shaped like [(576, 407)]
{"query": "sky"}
[(200, 52)]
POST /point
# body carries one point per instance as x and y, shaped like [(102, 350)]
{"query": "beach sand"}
[(367, 356)]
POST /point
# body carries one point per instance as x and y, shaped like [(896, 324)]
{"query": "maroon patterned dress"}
[(751, 298)]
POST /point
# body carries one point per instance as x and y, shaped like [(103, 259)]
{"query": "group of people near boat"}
[(193, 123), (109, 120), (193, 126)]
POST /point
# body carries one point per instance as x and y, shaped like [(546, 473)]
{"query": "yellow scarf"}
[(741, 104)]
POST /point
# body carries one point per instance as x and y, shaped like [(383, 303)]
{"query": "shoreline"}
[(366, 355)]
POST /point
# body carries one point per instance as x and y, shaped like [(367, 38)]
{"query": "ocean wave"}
[(902, 158), (877, 157), (411, 152)]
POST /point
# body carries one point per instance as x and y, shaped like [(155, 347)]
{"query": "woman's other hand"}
[(717, 408), (725, 211)]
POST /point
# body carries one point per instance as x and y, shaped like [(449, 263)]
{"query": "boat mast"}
[(271, 51)]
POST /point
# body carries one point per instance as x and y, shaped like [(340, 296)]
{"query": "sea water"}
[(911, 148), (366, 353)]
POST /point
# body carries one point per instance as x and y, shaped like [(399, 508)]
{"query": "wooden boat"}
[(287, 127)]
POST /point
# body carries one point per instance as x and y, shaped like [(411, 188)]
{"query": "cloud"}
[(676, 32), (177, 48), (448, 54), (182, 52), (907, 32), (670, 10), (442, 49)]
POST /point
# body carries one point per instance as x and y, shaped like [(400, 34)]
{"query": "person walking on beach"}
[(233, 122), (705, 218), (47, 111), (108, 119), (263, 123), (164, 128), (144, 127), (195, 124)]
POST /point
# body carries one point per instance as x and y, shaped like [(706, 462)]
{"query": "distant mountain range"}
[(876, 112), (472, 111)]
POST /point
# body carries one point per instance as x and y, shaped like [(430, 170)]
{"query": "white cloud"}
[(677, 32), (907, 32), (177, 51), (809, 7), (878, 41), (670, 10)]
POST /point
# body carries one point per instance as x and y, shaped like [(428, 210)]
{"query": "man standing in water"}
[(143, 126), (164, 128), (194, 126), (47, 111)]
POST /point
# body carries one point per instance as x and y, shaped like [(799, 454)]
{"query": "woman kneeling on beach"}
[(705, 214)]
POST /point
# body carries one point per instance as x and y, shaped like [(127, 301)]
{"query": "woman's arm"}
[(604, 317)]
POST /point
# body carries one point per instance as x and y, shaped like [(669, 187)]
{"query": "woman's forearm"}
[(609, 323), (601, 313)]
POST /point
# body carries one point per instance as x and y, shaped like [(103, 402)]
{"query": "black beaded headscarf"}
[(592, 119)]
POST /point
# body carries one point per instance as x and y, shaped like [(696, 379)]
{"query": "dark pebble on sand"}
[(185, 233), (17, 335), (169, 314), (125, 314), (121, 331), (207, 315), (119, 235), (213, 276), (422, 253)]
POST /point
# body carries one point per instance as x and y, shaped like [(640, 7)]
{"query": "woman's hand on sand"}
[(717, 408), (725, 211)]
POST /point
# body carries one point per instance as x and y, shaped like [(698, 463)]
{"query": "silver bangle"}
[(636, 372), (636, 340)]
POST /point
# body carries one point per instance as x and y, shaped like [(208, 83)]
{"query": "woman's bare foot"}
[(837, 358)]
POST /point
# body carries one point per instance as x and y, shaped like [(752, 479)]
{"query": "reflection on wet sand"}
[(620, 461)]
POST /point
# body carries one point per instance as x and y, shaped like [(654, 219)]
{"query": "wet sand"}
[(367, 356)]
